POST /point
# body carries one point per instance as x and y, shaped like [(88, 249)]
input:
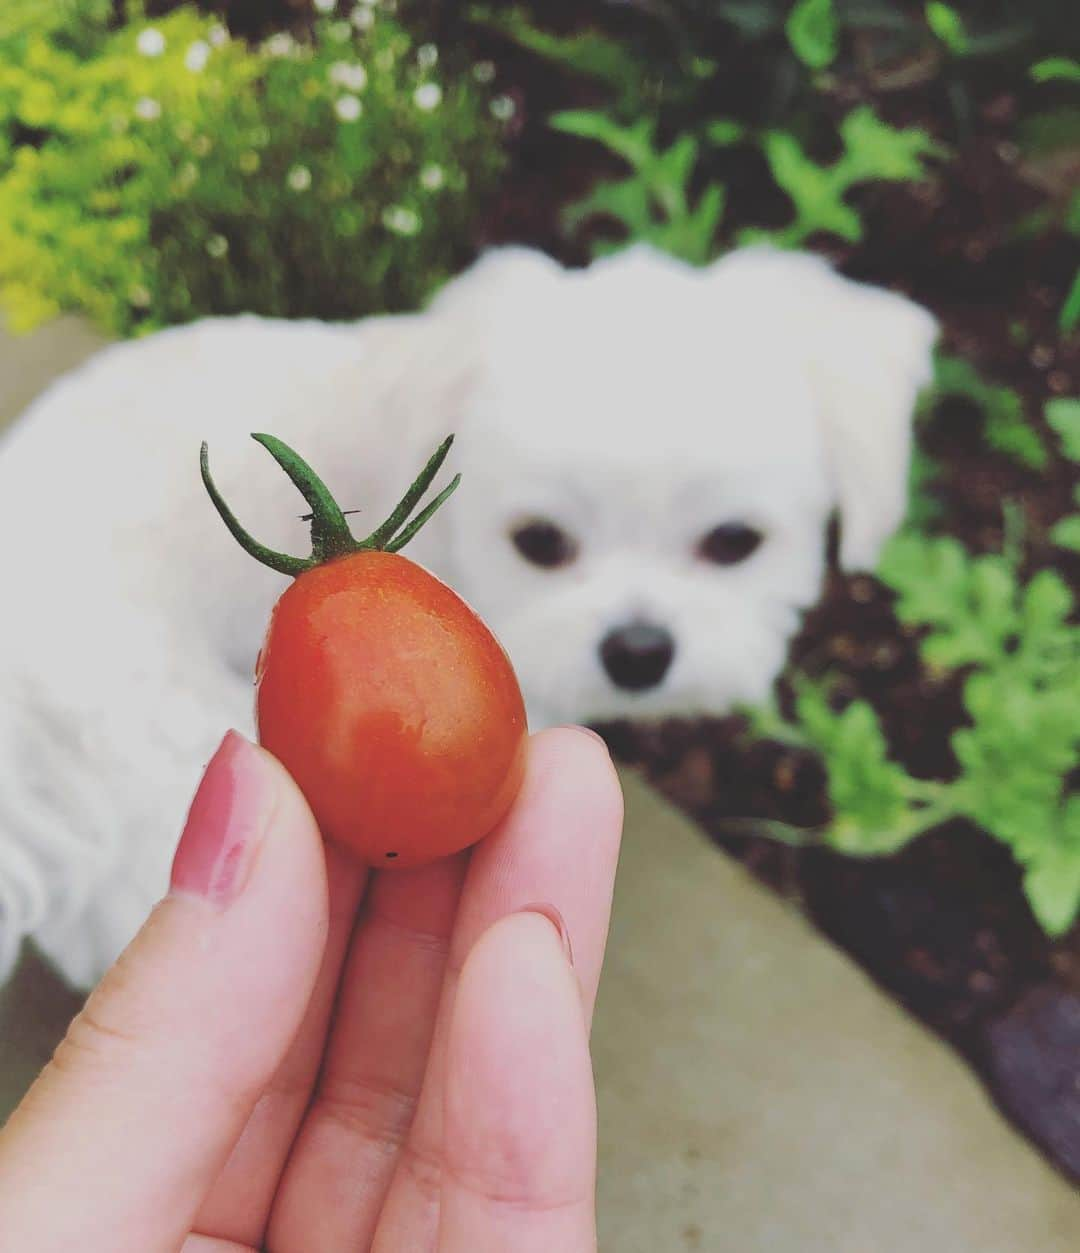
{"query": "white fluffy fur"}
[(638, 403)]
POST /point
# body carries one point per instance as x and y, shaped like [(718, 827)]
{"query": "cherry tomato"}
[(393, 707), (386, 697)]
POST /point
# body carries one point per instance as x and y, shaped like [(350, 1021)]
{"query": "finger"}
[(340, 1168), (520, 1111), (237, 1208), (142, 1103), (559, 845)]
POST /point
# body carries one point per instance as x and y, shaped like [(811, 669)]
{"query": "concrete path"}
[(29, 362), (757, 1094)]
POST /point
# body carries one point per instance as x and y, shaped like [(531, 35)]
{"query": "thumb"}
[(123, 1133)]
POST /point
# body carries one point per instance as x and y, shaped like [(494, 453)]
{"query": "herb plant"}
[(154, 171), (1019, 646)]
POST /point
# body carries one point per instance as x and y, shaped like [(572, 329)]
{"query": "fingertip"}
[(585, 767)]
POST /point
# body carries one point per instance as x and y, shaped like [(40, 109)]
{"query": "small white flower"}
[(484, 71), (325, 6), (151, 42), (401, 220), (148, 109), (427, 56), (362, 18), (299, 178), (503, 108), (197, 56), (432, 176), (139, 297), (348, 108), (217, 246), (427, 96), (351, 77), (187, 176), (280, 45), (217, 35)]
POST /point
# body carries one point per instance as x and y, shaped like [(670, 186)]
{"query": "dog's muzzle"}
[(638, 655)]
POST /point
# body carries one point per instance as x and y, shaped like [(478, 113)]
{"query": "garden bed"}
[(943, 924)]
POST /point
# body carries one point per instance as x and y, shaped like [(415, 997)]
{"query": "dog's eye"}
[(729, 543), (543, 543)]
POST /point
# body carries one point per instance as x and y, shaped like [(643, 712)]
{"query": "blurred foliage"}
[(1005, 426), (158, 169), (1017, 644), (1063, 417), (784, 83)]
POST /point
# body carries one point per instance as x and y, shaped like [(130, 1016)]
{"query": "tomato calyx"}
[(330, 534)]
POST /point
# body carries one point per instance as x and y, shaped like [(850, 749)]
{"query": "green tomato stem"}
[(330, 534)]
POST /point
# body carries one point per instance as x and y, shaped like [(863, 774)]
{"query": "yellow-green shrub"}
[(159, 171)]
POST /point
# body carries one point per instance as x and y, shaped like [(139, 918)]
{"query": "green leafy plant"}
[(653, 203), (1063, 415), (1005, 426), (1020, 648), (873, 151), (155, 171)]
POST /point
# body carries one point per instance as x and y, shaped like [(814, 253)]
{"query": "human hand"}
[(301, 1056)]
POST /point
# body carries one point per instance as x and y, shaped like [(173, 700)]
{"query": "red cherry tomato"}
[(393, 707), (388, 700)]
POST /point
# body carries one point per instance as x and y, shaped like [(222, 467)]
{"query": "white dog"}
[(650, 454)]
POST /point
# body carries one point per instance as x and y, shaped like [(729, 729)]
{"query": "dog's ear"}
[(416, 374), (868, 353), (423, 366), (501, 279)]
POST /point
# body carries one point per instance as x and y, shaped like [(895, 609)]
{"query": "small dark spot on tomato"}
[(390, 856)]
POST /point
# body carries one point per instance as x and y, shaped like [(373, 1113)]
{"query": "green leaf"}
[(633, 143), (585, 52), (1063, 416), (1052, 886), (723, 132), (813, 189), (626, 201), (877, 808), (1066, 69), (1069, 316), (1066, 534), (692, 236), (948, 26), (1052, 879), (811, 29), (1004, 424)]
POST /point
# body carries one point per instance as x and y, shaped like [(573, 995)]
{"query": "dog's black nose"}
[(637, 656)]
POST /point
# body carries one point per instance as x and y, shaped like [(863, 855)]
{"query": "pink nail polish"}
[(224, 825), (554, 916)]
